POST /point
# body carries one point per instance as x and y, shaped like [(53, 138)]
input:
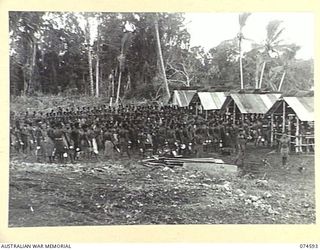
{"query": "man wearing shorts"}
[(284, 150)]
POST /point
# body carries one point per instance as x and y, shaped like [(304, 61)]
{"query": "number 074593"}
[(310, 246)]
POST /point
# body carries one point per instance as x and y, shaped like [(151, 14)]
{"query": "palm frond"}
[(243, 19), (273, 31), (276, 36), (247, 39)]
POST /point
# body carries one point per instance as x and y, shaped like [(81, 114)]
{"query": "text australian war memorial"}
[(116, 119)]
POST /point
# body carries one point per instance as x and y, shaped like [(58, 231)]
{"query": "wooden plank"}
[(213, 168), (195, 160)]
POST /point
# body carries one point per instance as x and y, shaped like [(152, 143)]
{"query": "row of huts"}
[(293, 115)]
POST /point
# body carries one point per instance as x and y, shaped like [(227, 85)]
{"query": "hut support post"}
[(298, 148), (234, 112), (271, 130), (289, 132), (300, 139), (284, 117), (206, 114), (196, 109)]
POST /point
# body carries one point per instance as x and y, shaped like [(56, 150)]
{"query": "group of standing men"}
[(70, 134)]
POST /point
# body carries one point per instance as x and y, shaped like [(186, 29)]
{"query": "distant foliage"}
[(49, 55)]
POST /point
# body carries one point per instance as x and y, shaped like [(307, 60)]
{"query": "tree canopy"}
[(117, 54)]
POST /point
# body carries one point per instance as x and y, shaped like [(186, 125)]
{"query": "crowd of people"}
[(71, 134)]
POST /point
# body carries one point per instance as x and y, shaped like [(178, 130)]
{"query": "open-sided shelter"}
[(239, 104), (294, 116)]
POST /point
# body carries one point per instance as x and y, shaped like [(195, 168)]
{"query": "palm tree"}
[(97, 58), (87, 37), (271, 47), (125, 41), (156, 26), (287, 57), (242, 22)]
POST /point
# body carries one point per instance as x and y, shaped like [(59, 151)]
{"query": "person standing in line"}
[(24, 139), (123, 140), (241, 147), (284, 148), (48, 143), (108, 144), (59, 142), (75, 139)]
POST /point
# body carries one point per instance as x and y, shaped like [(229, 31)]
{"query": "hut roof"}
[(302, 106), (212, 100), (252, 103), (182, 98)]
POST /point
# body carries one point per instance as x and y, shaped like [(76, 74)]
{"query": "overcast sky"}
[(209, 29)]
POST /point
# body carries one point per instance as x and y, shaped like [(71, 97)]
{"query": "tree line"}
[(142, 55)]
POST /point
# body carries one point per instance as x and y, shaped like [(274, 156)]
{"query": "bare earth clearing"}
[(126, 192)]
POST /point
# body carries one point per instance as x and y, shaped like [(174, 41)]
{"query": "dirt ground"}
[(127, 192)]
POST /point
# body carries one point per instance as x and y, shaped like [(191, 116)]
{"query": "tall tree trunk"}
[(240, 60), (242, 22), (281, 82), (258, 63), (28, 70), (188, 80), (25, 82), (121, 59), (161, 58), (89, 56), (54, 75), (101, 82), (97, 64), (128, 86), (112, 83), (97, 76), (32, 69), (261, 75), (83, 84), (118, 89), (111, 87), (90, 71), (121, 65)]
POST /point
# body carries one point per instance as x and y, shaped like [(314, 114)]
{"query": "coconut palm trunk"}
[(97, 76), (125, 41), (261, 75), (281, 81), (242, 22), (272, 44), (89, 56), (118, 88), (25, 81), (97, 65), (156, 26), (121, 59), (90, 71), (241, 68), (258, 63)]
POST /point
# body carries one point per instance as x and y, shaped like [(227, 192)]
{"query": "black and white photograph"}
[(161, 118)]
